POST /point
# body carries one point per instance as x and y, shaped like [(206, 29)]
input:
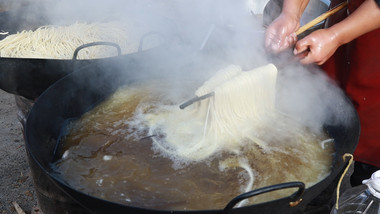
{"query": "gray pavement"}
[(15, 179)]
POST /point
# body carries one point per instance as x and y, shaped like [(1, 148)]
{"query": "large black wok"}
[(29, 77), (81, 90)]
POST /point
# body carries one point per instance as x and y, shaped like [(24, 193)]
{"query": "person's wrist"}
[(291, 20), (291, 16), (337, 36)]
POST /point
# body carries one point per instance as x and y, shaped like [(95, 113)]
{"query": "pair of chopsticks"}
[(298, 32), (320, 18)]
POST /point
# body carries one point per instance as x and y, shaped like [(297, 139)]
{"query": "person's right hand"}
[(280, 34), (318, 47)]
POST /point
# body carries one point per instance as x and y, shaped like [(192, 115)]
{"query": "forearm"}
[(364, 19), (294, 7)]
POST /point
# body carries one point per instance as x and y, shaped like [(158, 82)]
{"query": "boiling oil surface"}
[(107, 153)]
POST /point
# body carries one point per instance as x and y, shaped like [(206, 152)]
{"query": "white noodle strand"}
[(60, 42), (243, 102)]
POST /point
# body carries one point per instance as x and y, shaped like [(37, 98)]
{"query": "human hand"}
[(317, 47), (280, 34)]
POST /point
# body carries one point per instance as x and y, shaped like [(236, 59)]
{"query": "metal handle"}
[(296, 197), (196, 99), (94, 44), (141, 44)]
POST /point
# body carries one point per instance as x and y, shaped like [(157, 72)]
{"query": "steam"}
[(312, 98), (228, 30)]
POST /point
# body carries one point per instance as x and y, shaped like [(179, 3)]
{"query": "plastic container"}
[(363, 199)]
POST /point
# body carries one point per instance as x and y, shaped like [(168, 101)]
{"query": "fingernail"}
[(295, 52)]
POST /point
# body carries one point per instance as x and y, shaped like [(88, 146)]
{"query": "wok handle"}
[(141, 44), (296, 197), (94, 44)]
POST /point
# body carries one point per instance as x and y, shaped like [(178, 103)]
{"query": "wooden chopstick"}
[(321, 18)]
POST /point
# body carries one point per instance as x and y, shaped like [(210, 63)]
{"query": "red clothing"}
[(360, 78)]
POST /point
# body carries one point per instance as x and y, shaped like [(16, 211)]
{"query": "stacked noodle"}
[(60, 42), (243, 103)]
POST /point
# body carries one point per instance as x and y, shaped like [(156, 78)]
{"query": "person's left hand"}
[(280, 34), (317, 47)]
